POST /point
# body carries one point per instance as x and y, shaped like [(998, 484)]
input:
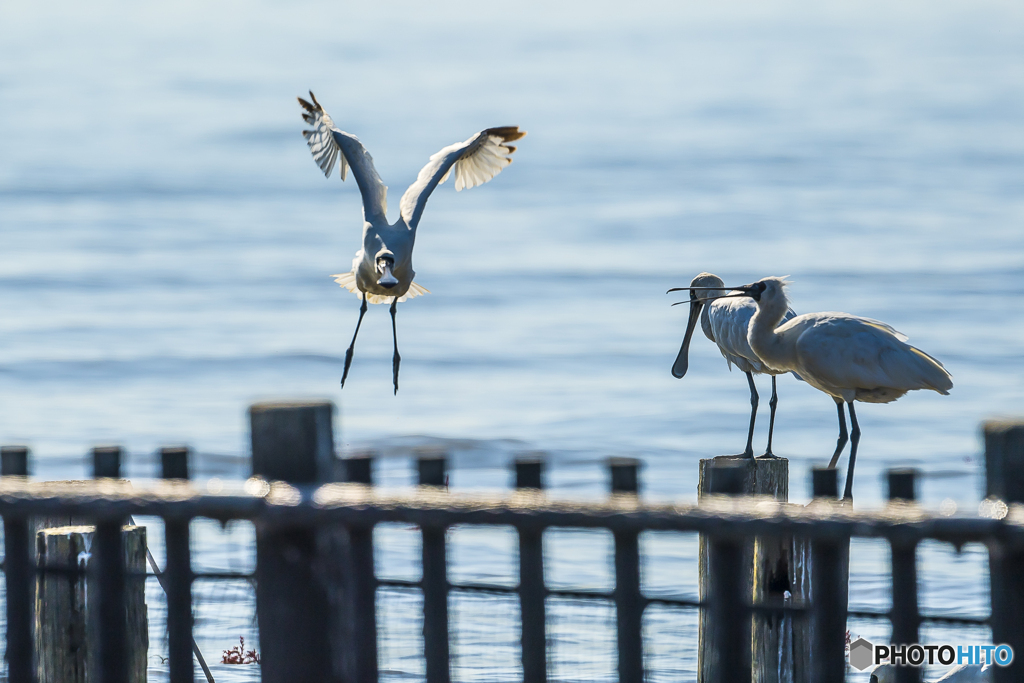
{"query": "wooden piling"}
[(294, 442), (532, 589), (829, 572), (629, 601), (1004, 480), (359, 609), (108, 587), (18, 576), (67, 602), (177, 576), (906, 618), (772, 567), (729, 653), (431, 469)]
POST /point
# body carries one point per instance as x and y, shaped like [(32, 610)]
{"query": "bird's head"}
[(385, 263), (703, 288), (706, 287), (771, 289), (770, 295), (883, 673)]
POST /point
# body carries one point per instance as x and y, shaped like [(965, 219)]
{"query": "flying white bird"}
[(382, 269), (848, 357), (725, 320), (964, 673)]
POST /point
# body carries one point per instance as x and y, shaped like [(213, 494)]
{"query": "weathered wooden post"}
[(629, 601), (772, 567), (1004, 479), (359, 609), (177, 576), (18, 577), (829, 583), (431, 469), (906, 619), (66, 604), (90, 612), (532, 589), (729, 653), (293, 442)]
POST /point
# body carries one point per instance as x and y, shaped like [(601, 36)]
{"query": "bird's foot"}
[(395, 362), (746, 455), (768, 455), (348, 364)]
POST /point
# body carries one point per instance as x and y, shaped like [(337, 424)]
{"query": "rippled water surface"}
[(166, 242)]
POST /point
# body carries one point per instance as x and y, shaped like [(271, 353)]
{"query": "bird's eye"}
[(761, 287)]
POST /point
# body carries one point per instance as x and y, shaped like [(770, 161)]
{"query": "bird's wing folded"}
[(331, 145), (475, 161)]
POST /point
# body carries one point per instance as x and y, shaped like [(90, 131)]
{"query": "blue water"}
[(166, 240)]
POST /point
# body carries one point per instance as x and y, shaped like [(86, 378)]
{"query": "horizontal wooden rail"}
[(279, 503)]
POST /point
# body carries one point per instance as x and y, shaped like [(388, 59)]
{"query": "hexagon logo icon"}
[(861, 654)]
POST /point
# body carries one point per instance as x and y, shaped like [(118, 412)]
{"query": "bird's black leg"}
[(749, 450), (396, 360), (854, 440), (843, 437), (352, 347), (774, 401)]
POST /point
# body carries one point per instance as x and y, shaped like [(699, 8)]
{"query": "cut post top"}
[(14, 461), (624, 475), (758, 476), (293, 441)]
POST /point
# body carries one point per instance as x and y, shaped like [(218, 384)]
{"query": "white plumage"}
[(724, 320), (964, 673), (382, 270), (848, 357)]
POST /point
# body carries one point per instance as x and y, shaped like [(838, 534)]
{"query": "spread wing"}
[(475, 161), (331, 145)]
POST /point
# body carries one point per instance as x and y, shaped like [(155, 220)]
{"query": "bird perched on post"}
[(848, 357), (725, 320), (382, 269)]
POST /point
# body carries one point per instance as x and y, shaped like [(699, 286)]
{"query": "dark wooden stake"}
[(177, 576), (360, 610), (107, 581), (19, 576), (828, 593), (293, 442), (1004, 479), (906, 620), (629, 601), (435, 581), (729, 615), (532, 589)]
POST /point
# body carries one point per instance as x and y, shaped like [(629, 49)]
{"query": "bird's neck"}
[(764, 340)]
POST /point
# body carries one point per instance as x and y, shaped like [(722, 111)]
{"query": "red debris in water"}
[(239, 655)]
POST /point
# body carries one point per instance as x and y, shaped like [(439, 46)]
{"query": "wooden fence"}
[(315, 582)]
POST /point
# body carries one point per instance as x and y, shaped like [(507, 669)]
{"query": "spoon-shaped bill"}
[(682, 362)]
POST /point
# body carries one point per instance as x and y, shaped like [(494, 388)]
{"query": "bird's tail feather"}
[(934, 373), (348, 281)]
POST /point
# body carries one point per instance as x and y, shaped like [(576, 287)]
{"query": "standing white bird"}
[(724, 320), (964, 673), (382, 269), (848, 357)]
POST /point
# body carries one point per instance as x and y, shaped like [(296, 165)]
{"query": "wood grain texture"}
[(62, 609)]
